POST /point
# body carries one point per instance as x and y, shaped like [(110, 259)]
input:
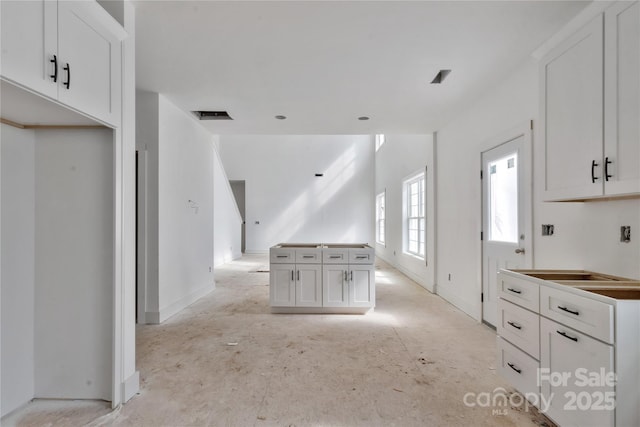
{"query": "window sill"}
[(421, 258)]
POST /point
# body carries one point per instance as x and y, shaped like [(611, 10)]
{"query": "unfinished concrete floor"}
[(226, 361)]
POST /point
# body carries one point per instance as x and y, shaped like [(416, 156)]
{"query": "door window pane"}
[(503, 199)]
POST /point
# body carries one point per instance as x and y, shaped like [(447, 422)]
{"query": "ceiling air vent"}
[(212, 115), (439, 78)]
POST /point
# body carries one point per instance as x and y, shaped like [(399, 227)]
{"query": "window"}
[(379, 141), (414, 215), (380, 218)]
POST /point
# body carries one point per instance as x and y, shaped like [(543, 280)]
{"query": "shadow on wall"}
[(296, 215)]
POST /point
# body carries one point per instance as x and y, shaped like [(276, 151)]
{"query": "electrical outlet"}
[(625, 233), (547, 229)]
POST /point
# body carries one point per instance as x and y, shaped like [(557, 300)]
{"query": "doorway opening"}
[(238, 189), (506, 212)]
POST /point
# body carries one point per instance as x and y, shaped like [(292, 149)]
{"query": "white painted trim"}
[(579, 21), (256, 252), (184, 302), (131, 386), (411, 275)]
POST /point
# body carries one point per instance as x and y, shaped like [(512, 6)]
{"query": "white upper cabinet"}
[(69, 51), (590, 93), (29, 44), (571, 117), (622, 98)]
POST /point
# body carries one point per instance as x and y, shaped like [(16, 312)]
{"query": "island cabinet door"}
[(361, 286), (282, 289), (576, 377), (309, 285), (335, 286)]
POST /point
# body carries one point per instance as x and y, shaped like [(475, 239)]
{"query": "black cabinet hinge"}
[(481, 296)]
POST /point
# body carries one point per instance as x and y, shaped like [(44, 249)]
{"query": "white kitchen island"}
[(322, 278)]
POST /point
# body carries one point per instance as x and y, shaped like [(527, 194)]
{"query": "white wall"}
[(18, 260), (227, 221), (398, 158), (179, 175), (74, 241), (586, 234), (289, 201)]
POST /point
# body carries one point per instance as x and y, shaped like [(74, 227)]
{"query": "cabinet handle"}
[(515, 291), (576, 313), (54, 61), (283, 256), (346, 279), (607, 162), (512, 366), (298, 272), (307, 256), (515, 325), (352, 275), (362, 257), (564, 334), (292, 275), (593, 167), (67, 68), (334, 256)]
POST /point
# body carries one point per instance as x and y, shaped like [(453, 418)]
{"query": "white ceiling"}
[(325, 63)]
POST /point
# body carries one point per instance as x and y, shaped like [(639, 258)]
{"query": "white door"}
[(282, 285), (29, 44), (335, 287), (506, 200), (309, 285), (90, 58), (361, 291)]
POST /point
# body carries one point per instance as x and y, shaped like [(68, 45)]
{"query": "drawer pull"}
[(54, 61), (292, 275), (564, 334), (335, 256), (515, 325), (283, 256), (576, 313), (298, 275), (515, 291), (512, 366), (362, 257), (308, 256)]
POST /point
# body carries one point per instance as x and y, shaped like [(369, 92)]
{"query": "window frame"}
[(421, 218), (380, 140), (381, 218)]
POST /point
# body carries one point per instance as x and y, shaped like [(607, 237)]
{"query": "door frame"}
[(524, 130)]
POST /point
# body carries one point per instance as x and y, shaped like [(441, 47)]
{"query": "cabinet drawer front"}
[(282, 256), (519, 369), (576, 376), (335, 256), (308, 256), (361, 256), (594, 318), (519, 291), (520, 327)]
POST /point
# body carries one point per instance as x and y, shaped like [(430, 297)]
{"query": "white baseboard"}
[(410, 274), (131, 386), (254, 252), (155, 317)]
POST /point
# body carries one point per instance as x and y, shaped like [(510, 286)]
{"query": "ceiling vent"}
[(212, 115), (439, 78)]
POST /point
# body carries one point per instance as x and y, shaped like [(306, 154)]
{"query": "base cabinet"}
[(317, 278)]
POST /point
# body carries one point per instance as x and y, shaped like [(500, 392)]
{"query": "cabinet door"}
[(89, 61), (622, 98), (335, 287), (567, 358), (362, 288), (572, 115), (282, 290), (309, 285), (29, 43)]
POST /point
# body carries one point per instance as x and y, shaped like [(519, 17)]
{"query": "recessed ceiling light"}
[(363, 118), (280, 117), (439, 78)]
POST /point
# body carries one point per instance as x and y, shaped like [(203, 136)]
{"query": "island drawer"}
[(520, 327)]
